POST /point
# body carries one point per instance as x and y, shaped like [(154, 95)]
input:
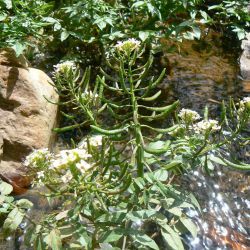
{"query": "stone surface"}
[(245, 63), (26, 117), (245, 58)]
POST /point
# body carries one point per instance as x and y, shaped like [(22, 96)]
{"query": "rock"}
[(245, 63), (27, 118)]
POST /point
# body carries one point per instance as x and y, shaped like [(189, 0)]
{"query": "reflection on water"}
[(225, 219), (203, 73)]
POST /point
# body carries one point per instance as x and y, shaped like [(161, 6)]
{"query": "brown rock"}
[(26, 118)]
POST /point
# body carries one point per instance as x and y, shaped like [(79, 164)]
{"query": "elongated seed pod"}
[(159, 109), (151, 98), (111, 131), (235, 165), (107, 76), (161, 130)]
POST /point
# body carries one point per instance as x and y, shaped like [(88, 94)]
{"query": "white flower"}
[(62, 67), (244, 103), (40, 174), (39, 156), (89, 95), (67, 157), (67, 177), (128, 46), (188, 115), (203, 126), (94, 141), (83, 166)]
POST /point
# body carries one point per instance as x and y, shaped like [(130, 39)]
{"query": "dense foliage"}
[(76, 24)]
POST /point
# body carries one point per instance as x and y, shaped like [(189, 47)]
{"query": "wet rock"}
[(202, 72), (26, 117), (245, 63)]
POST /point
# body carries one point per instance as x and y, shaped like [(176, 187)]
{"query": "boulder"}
[(245, 63), (26, 117)]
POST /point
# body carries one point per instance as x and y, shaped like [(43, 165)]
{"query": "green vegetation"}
[(116, 188), (77, 24)]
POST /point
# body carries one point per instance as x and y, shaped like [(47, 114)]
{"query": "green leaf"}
[(5, 188), (3, 16), (64, 35), (191, 227), (8, 4), (145, 240), (19, 48), (24, 203), (161, 175), (157, 147), (143, 35), (111, 236), (141, 215), (13, 220), (171, 238), (54, 239)]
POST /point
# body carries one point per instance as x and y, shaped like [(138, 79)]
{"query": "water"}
[(224, 197), (204, 73)]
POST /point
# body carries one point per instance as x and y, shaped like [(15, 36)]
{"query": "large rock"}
[(245, 63), (26, 117)]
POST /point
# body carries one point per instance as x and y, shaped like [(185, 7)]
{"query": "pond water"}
[(201, 73), (204, 73)]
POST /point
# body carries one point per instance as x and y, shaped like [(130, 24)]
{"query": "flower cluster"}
[(64, 66), (89, 95), (244, 104), (188, 115), (128, 46), (68, 157), (205, 125), (48, 164), (94, 141), (38, 157)]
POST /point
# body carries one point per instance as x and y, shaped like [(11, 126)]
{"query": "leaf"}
[(191, 227), (8, 4), (143, 35), (39, 244), (3, 16), (115, 217), (62, 215), (24, 203), (19, 48), (111, 236), (64, 35), (145, 240), (141, 215), (5, 188), (194, 201), (13, 220), (54, 239), (161, 175), (175, 211), (171, 238)]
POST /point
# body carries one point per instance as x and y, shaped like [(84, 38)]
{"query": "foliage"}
[(116, 189), (75, 24), (13, 211), (22, 23)]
